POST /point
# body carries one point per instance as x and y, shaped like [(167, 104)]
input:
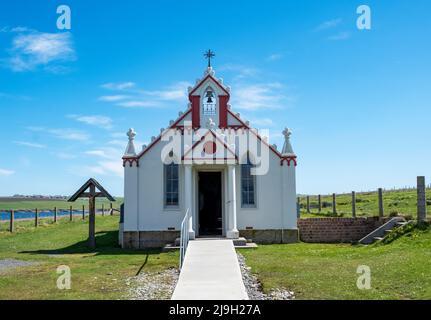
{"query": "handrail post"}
[(70, 213), (36, 214)]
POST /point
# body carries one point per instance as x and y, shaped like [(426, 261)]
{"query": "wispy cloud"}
[(30, 144), (263, 122), (259, 96), (274, 57), (114, 98), (340, 36), (95, 120), (110, 163), (240, 71), (328, 24), (118, 86), (65, 134), (32, 49), (5, 172), (140, 98)]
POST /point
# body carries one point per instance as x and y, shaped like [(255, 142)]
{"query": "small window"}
[(171, 185), (248, 186)]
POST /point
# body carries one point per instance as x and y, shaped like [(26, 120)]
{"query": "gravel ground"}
[(7, 264), (153, 286), (254, 287)]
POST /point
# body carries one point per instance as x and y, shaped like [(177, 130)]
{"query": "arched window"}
[(209, 102), (171, 185), (248, 186)]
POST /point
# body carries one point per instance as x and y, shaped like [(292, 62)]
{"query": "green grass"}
[(100, 274), (401, 202), (31, 204), (399, 270)]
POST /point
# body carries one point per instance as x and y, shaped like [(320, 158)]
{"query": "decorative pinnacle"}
[(131, 134), (130, 150), (287, 147)]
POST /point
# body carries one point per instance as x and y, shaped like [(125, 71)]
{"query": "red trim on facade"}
[(223, 100), (130, 161), (196, 116), (205, 79), (203, 138), (288, 160), (257, 135)]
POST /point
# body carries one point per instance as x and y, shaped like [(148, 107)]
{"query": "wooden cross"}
[(209, 54), (91, 194)]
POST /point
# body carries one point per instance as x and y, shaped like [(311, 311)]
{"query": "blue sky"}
[(358, 102)]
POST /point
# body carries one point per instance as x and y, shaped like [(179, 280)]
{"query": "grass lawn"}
[(95, 275), (395, 202), (399, 270), (31, 204)]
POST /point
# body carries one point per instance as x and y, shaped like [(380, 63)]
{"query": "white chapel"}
[(213, 168)]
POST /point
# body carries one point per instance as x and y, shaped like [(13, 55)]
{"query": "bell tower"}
[(209, 99)]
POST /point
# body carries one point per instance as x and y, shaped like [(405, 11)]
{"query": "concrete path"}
[(210, 272)]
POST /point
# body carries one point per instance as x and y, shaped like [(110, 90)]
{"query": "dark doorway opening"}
[(210, 204)]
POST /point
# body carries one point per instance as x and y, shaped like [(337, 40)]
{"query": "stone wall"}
[(337, 230), (270, 236), (148, 239)]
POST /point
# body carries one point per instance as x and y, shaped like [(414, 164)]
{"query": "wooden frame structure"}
[(88, 190)]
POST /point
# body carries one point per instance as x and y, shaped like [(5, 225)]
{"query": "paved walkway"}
[(210, 272)]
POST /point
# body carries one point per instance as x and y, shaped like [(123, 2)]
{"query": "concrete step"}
[(378, 238), (400, 224), (241, 243)]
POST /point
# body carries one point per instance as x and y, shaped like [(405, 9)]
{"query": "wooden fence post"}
[(319, 200), (353, 204), (70, 213), (11, 225), (334, 204), (381, 208), (83, 212), (36, 217), (55, 214), (112, 210), (422, 205), (103, 210), (308, 204)]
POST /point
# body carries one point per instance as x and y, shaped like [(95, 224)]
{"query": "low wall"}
[(270, 236), (337, 230)]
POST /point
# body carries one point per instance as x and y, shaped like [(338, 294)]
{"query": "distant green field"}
[(31, 204), (401, 202)]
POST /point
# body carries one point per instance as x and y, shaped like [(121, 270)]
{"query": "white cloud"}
[(33, 49), (329, 24), (4, 172), (113, 98), (65, 156), (240, 71), (30, 144), (66, 134), (118, 86), (258, 96), (139, 98), (274, 57), (340, 36), (263, 122), (95, 120), (113, 167), (98, 153)]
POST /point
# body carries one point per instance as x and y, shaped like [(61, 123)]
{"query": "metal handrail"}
[(184, 237)]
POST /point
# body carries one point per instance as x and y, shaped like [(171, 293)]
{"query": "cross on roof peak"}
[(208, 55)]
